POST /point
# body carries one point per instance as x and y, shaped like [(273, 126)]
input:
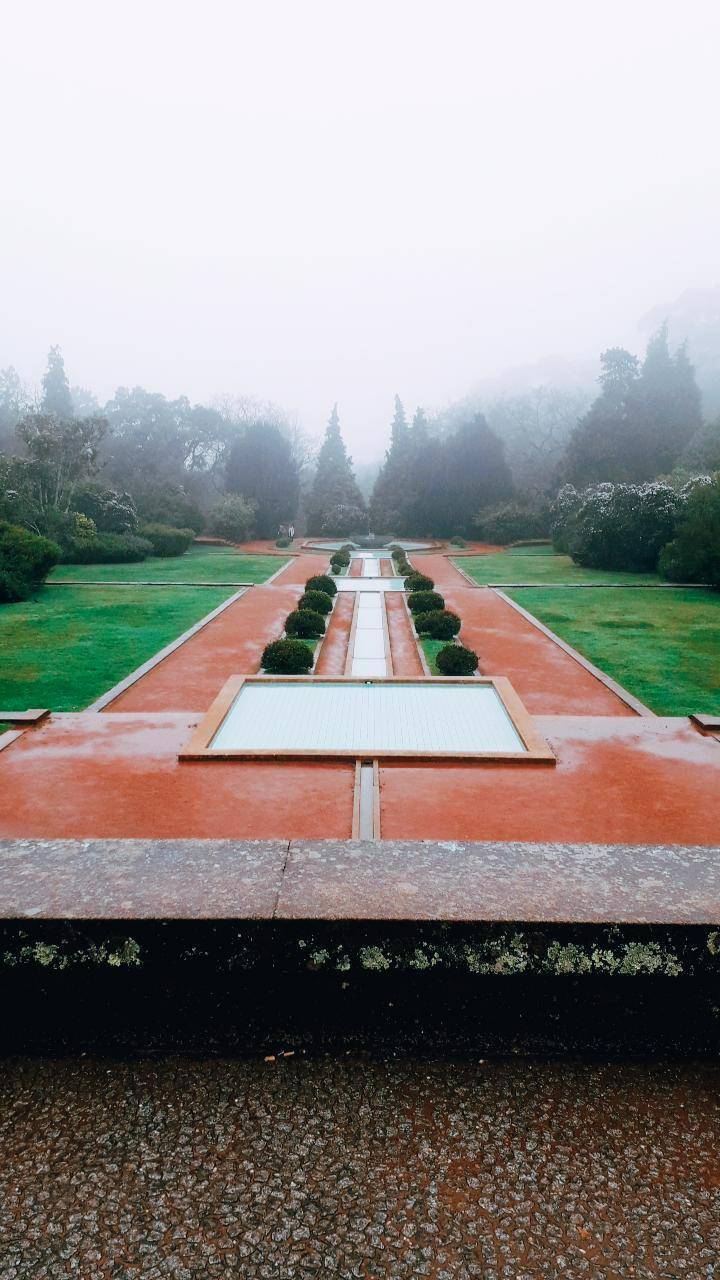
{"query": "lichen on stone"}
[(373, 958)]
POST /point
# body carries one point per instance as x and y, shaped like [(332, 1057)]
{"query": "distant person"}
[(291, 532)]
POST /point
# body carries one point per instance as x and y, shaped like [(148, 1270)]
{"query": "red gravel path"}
[(333, 654), (119, 776), (547, 679), (230, 645), (403, 646), (617, 780)]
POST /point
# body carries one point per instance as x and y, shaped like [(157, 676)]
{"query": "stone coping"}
[(359, 880)]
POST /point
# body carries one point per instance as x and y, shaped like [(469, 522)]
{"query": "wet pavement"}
[(299, 1168)]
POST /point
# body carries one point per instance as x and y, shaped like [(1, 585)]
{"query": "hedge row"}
[(128, 548), (291, 656), (432, 619), (341, 559)]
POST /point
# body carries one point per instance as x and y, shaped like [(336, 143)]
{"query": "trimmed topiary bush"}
[(318, 601), (321, 582), (336, 567), (165, 540), (456, 660), (282, 542), (287, 658), (418, 582), (25, 561), (425, 601), (458, 542), (341, 558), (304, 622), (440, 624)]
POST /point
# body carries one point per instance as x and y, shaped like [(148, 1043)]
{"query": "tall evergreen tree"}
[(599, 447), (419, 434), (56, 388), (392, 487), (476, 475), (642, 422), (671, 408), (335, 504), (262, 468), (13, 404)]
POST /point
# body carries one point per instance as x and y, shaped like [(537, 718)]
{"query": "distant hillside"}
[(550, 371)]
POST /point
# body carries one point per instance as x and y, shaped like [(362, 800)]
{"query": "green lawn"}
[(663, 646), (431, 649), (538, 549), (511, 566), (199, 564), (72, 644)]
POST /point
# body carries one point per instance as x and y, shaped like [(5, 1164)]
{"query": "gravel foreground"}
[(350, 1168)]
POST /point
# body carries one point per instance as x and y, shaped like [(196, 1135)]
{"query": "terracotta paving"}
[(118, 775), (333, 653), (547, 679), (619, 777), (403, 646), (230, 645), (636, 781)]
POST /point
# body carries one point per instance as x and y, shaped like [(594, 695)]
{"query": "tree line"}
[(143, 459), (69, 466)]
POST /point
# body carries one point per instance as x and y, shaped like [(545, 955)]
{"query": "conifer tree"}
[(392, 488), (671, 406), (335, 504), (13, 403), (419, 434), (642, 422), (56, 388)]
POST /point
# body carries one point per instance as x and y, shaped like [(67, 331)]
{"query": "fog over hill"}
[(307, 204)]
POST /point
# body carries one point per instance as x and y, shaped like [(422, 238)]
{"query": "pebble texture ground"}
[(294, 1168)]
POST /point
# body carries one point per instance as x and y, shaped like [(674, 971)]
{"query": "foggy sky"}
[(310, 201)]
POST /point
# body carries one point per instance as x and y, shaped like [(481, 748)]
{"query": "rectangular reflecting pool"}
[(350, 717)]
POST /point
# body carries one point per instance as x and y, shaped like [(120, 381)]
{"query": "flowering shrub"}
[(694, 554), (624, 526), (562, 516)]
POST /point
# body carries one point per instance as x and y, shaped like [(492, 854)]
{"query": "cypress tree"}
[(392, 488), (56, 388), (419, 434), (335, 504)]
